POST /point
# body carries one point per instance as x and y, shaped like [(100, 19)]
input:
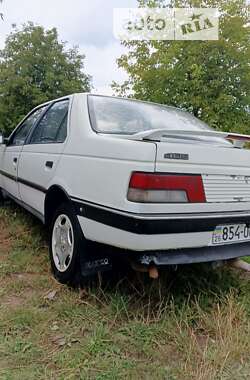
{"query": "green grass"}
[(190, 324)]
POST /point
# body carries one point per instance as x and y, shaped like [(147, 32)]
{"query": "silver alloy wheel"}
[(62, 243)]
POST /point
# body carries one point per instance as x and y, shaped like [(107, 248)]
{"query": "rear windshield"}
[(122, 116), (127, 117)]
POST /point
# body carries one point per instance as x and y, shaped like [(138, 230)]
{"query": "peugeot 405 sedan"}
[(140, 180)]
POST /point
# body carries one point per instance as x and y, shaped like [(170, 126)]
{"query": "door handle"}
[(15, 160), (49, 164)]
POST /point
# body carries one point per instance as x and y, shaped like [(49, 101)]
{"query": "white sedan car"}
[(151, 181)]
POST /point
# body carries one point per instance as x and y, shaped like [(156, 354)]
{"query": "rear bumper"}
[(177, 236)]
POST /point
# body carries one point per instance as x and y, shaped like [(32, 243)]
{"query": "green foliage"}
[(34, 68), (211, 79)]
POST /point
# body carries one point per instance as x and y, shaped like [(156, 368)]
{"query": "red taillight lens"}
[(166, 188)]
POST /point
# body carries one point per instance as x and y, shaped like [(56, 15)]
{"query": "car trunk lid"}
[(225, 171)]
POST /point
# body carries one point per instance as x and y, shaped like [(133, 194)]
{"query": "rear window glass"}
[(112, 115)]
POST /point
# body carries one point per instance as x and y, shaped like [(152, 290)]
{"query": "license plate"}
[(231, 233)]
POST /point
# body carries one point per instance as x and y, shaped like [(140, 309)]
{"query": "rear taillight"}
[(166, 188)]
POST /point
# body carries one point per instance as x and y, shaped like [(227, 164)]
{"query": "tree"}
[(211, 79), (36, 67)]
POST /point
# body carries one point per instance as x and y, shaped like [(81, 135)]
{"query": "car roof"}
[(108, 96)]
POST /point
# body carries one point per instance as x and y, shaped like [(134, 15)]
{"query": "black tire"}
[(72, 275)]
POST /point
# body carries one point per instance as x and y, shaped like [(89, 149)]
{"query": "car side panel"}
[(33, 174), (9, 168), (2, 148), (98, 168), (103, 180), (37, 169)]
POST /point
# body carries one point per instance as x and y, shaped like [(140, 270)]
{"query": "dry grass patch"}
[(191, 324)]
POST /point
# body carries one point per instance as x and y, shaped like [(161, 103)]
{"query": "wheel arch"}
[(55, 196)]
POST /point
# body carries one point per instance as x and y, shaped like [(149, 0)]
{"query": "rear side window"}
[(21, 134), (52, 128)]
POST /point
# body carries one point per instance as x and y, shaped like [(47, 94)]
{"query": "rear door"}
[(41, 154)]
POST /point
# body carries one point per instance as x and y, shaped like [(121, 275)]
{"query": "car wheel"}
[(67, 243)]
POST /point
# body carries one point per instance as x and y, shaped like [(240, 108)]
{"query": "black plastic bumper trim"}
[(147, 226)]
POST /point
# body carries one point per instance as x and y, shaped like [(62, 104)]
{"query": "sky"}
[(86, 23)]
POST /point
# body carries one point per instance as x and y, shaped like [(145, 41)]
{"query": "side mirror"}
[(3, 140)]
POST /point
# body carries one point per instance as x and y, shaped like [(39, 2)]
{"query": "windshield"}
[(127, 117)]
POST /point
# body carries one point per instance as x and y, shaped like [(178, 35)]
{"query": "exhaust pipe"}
[(239, 264), (152, 270), (153, 273)]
